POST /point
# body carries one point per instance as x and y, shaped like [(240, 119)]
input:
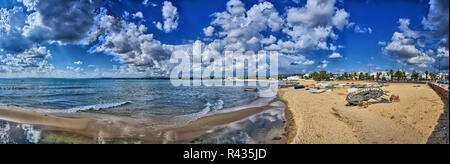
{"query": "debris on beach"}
[(394, 98)]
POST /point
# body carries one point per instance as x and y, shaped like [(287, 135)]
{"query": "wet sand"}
[(325, 119), (34, 118)]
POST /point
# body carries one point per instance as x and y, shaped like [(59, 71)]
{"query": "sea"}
[(158, 101)]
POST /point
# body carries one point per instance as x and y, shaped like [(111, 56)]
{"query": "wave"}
[(45, 88), (67, 94), (71, 87), (208, 108), (14, 88), (268, 92), (98, 107)]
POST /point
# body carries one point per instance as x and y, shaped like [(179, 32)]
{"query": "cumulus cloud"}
[(77, 15), (323, 64), (30, 4), (335, 55), (30, 60), (410, 46), (442, 52), (78, 62), (241, 29), (437, 21), (170, 17), (340, 19), (208, 31), (403, 47), (236, 29), (139, 15), (11, 24), (311, 26)]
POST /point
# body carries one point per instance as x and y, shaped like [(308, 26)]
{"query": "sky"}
[(136, 38)]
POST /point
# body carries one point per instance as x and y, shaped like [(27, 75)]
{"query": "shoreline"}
[(107, 126), (324, 118)]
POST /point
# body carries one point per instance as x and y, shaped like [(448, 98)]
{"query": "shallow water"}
[(156, 100)]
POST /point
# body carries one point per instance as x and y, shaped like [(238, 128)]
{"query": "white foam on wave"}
[(218, 105), (98, 107), (32, 135), (265, 95), (268, 92), (4, 133)]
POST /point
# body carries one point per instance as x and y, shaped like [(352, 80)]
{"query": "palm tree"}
[(378, 76), (426, 75), (391, 73)]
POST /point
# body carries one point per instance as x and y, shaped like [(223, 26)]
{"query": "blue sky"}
[(106, 38)]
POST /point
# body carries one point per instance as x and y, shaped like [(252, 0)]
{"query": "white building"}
[(293, 78), (383, 74)]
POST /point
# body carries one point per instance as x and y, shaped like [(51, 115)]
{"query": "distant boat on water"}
[(251, 89)]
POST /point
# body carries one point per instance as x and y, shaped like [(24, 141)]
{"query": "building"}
[(293, 78), (383, 74)]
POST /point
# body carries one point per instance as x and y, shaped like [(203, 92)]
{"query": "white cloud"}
[(78, 62), (443, 52), (335, 55), (30, 4), (340, 19), (138, 15), (311, 26), (241, 30), (208, 31), (402, 47), (363, 30), (147, 3), (422, 61), (382, 43), (235, 7), (269, 40), (159, 26), (323, 64), (404, 27), (33, 60), (170, 17)]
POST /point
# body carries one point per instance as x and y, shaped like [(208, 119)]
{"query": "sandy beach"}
[(310, 119), (325, 119)]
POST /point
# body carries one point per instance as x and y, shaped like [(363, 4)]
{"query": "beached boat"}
[(318, 91), (251, 89), (284, 86), (299, 87)]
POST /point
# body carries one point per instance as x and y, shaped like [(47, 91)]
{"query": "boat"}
[(284, 86), (251, 89), (299, 87), (317, 91)]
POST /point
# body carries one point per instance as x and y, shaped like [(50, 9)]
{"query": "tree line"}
[(391, 74)]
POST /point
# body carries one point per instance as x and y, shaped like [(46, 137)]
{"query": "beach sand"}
[(310, 119), (325, 119)]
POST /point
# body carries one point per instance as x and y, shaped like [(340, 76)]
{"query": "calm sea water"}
[(131, 98)]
